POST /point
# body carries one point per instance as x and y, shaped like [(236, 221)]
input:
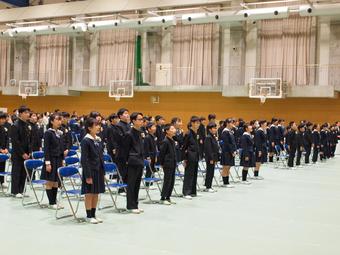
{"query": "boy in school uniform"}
[(21, 150), (178, 137), (190, 152), (150, 150), (202, 133), (168, 161), (308, 141), (113, 136), (299, 141), (4, 144), (134, 159), (316, 142), (292, 143), (211, 150), (160, 134)]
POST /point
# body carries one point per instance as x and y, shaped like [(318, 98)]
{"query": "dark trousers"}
[(315, 154), (307, 155), (168, 182), (122, 168), (134, 178), (2, 169), (298, 157), (190, 178), (291, 157), (18, 176), (209, 175)]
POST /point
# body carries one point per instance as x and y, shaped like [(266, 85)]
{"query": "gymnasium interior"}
[(249, 59)]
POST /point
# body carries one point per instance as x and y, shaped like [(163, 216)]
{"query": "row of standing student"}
[(129, 146)]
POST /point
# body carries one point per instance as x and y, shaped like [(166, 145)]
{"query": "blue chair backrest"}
[(146, 163), (67, 171), (71, 153), (38, 154), (71, 160), (107, 158), (74, 147), (33, 163), (110, 168), (4, 157)]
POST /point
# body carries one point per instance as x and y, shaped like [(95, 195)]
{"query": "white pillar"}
[(166, 47), (21, 59), (93, 60), (251, 53), (225, 60), (32, 64), (323, 51)]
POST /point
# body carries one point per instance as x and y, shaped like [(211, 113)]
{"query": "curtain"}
[(4, 65), (195, 55), (52, 58), (287, 50), (116, 55)]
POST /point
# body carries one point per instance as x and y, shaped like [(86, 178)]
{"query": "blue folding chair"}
[(67, 173), (107, 158), (74, 161), (33, 165), (6, 174), (110, 170), (72, 153), (147, 181), (75, 147), (282, 157), (38, 154)]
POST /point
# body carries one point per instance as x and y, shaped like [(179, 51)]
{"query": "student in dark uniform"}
[(36, 139), (202, 133), (261, 153), (299, 145), (247, 153), (178, 138), (334, 140), (323, 142), (134, 159), (21, 150), (4, 144), (211, 150), (54, 156), (229, 150), (67, 134), (221, 127), (281, 129), (292, 143), (190, 152), (113, 136), (160, 134), (308, 141), (92, 149), (238, 130), (273, 138), (124, 127), (316, 142), (150, 150), (168, 161), (99, 118)]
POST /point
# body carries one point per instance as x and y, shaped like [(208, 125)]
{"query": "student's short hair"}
[(202, 118), (52, 117), (301, 126), (23, 108), (211, 125), (121, 111), (147, 118), (252, 122), (274, 120), (221, 122), (94, 114), (194, 119), (112, 117), (168, 126), (228, 121), (175, 119), (3, 115), (261, 122), (211, 116), (308, 124), (246, 125), (90, 122), (291, 123), (158, 117), (134, 115), (149, 125), (65, 114), (281, 120)]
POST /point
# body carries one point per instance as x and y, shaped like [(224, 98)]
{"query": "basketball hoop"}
[(117, 98)]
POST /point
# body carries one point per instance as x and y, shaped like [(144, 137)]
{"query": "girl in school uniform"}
[(211, 150), (93, 168), (247, 154), (54, 156), (168, 161), (260, 147)]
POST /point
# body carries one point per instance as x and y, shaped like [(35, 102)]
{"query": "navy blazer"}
[(91, 156), (4, 138), (134, 148), (21, 138), (150, 146), (260, 141), (211, 148), (167, 154), (247, 145), (190, 149), (53, 144), (228, 142)]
